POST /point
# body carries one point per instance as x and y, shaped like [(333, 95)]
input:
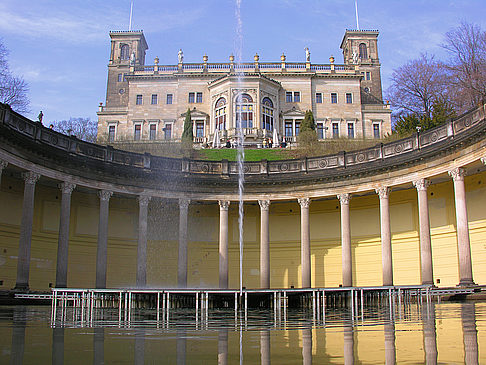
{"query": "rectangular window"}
[(168, 131), (111, 133), (153, 132), (296, 97), (297, 127), (169, 98), (349, 98), (320, 130), (368, 75), (120, 77), (288, 97), (138, 132), (319, 98), (335, 130), (288, 129), (199, 98), (376, 131), (333, 98), (191, 97), (351, 130), (199, 129), (154, 99), (139, 100)]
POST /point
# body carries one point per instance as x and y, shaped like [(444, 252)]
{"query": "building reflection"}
[(19, 322), (390, 353), (348, 344), (427, 312), (470, 333), (99, 346), (58, 345), (307, 346), (223, 346), (139, 356), (265, 347), (181, 347)]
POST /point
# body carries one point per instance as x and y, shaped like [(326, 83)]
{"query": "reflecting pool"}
[(427, 333)]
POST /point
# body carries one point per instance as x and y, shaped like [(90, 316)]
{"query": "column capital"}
[(421, 184), (30, 177), (184, 203), (224, 204), (344, 198), (3, 164), (383, 192), (264, 204), (105, 194), (66, 187), (143, 200), (483, 160), (457, 174), (304, 202)]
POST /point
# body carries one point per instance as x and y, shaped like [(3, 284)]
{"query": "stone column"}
[(305, 242), (63, 242), (3, 164), (307, 346), (264, 244), (23, 262), (463, 244), (425, 242), (346, 240), (223, 346), (390, 352), (182, 263), (223, 243), (143, 202), (348, 344), (386, 248), (102, 251)]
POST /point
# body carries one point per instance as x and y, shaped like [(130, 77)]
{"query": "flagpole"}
[(356, 7)]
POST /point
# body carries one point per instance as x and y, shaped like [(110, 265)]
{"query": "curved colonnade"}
[(40, 155)]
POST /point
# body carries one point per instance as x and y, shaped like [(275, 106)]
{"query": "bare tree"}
[(13, 89), (416, 85), (467, 47), (83, 128)]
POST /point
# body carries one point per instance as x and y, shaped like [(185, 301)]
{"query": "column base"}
[(61, 286), (466, 283), (21, 288), (431, 283)]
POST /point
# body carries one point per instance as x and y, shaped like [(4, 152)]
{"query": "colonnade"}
[(464, 248)]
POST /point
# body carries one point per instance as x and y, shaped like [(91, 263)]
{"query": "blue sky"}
[(61, 47)]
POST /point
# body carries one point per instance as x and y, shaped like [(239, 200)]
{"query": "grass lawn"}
[(250, 154)]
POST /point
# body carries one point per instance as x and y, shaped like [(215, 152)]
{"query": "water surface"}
[(427, 333)]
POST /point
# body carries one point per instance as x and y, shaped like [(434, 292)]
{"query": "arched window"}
[(220, 114), (125, 52), (267, 114), (244, 111), (363, 51)]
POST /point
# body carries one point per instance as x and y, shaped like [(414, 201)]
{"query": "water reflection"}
[(450, 333)]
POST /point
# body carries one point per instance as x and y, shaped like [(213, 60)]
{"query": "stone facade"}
[(146, 103)]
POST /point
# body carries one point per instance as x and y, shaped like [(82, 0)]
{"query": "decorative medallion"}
[(54, 140), (322, 164), (361, 157), (434, 137), (21, 126), (284, 167), (246, 169), (205, 168), (398, 148), (121, 91)]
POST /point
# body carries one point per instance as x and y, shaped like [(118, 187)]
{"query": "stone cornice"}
[(30, 146)]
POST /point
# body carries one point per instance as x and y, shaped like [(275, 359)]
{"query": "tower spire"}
[(131, 13), (356, 8)]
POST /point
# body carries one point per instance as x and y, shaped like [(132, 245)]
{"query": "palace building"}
[(147, 103)]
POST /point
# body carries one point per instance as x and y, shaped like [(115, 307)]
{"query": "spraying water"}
[(240, 134)]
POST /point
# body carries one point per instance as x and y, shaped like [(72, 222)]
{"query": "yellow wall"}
[(203, 239)]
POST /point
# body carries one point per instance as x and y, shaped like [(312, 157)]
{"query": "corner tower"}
[(127, 48), (361, 47)]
